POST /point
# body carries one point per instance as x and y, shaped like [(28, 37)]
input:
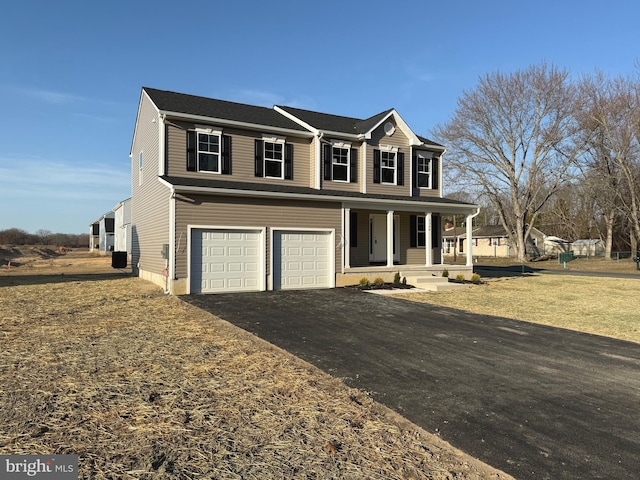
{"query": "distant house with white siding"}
[(122, 226)]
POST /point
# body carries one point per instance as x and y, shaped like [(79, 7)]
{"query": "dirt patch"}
[(142, 385)]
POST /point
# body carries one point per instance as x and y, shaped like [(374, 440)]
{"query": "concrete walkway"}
[(533, 401)]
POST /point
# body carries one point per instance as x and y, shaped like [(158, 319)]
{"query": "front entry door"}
[(378, 238)]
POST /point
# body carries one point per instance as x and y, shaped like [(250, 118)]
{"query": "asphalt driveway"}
[(533, 401)]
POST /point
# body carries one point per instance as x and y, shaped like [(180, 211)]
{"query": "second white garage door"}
[(226, 260), (302, 259)]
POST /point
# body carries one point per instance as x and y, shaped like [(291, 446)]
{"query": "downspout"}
[(319, 136), (172, 241)]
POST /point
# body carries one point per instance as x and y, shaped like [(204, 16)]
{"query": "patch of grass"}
[(142, 385), (602, 306)]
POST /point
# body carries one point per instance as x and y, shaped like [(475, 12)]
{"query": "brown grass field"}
[(143, 386)]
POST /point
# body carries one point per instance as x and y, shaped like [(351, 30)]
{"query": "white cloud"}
[(29, 176), (50, 96)]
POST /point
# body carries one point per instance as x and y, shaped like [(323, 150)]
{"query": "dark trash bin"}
[(119, 259)]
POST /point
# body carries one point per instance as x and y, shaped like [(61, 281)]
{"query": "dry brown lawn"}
[(141, 385), (602, 306)]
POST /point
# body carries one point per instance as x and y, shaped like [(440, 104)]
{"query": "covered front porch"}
[(380, 242)]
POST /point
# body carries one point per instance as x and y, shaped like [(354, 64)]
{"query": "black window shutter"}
[(376, 166), (326, 151), (400, 168), (414, 168), (353, 229), (413, 231), (288, 161), (354, 165), (259, 164), (435, 172), (226, 155), (191, 151), (435, 231)]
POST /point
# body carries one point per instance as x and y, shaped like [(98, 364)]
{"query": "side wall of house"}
[(222, 211), (149, 198)]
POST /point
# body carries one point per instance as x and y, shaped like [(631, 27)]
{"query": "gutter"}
[(349, 202)]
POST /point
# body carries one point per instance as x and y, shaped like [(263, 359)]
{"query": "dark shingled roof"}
[(336, 123), (220, 109), (265, 187)]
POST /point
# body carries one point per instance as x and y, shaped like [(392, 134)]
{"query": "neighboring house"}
[(101, 234), (492, 241), (454, 240), (588, 247), (235, 197), (122, 226)]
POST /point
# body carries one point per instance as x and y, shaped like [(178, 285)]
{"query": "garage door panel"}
[(226, 260), (302, 259)]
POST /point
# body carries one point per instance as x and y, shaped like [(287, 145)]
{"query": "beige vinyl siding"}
[(212, 211), (150, 200), (313, 169), (242, 156), (400, 140)]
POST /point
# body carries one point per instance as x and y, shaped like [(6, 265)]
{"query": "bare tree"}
[(610, 122), (512, 138)]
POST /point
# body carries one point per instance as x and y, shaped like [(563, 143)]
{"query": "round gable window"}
[(389, 128)]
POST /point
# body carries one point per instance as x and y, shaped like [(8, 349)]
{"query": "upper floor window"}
[(209, 152), (340, 162), (140, 168), (273, 158), (423, 170), (388, 166)]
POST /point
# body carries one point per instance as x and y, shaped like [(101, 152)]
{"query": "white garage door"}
[(302, 259), (226, 260)]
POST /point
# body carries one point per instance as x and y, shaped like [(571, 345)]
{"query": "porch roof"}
[(225, 187)]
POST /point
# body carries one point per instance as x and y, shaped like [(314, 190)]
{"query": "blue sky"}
[(71, 73)]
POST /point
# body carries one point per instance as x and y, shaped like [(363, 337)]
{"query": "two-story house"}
[(233, 197)]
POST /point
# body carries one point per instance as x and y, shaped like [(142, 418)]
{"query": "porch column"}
[(428, 245), (469, 246), (389, 238), (346, 245)]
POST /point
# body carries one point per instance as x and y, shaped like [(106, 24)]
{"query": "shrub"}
[(445, 273), (396, 278), (460, 277), (364, 283), (475, 278), (378, 281)]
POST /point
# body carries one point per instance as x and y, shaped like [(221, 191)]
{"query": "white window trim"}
[(275, 140), (347, 147), (424, 231), (140, 165), (395, 167), (213, 132), (429, 158)]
